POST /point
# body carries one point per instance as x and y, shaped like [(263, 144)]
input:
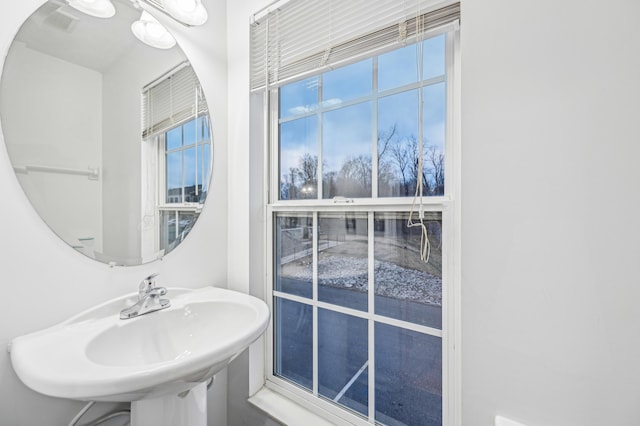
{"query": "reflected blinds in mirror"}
[(171, 100), (301, 37)]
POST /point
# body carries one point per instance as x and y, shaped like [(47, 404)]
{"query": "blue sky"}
[(185, 135), (349, 131)]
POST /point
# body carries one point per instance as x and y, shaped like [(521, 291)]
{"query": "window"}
[(361, 324), (185, 153), (177, 145)]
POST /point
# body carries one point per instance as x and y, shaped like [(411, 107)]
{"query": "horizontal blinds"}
[(301, 36), (171, 100)]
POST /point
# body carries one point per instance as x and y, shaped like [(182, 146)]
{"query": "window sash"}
[(374, 97), (312, 398), (305, 36)]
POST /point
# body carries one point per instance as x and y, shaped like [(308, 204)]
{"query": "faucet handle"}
[(147, 285)]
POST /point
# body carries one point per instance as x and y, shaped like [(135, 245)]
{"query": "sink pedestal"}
[(172, 410)]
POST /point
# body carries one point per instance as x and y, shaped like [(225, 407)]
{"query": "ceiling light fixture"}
[(97, 8), (191, 12), (151, 32)]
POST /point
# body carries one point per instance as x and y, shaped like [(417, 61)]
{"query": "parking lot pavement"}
[(407, 364)]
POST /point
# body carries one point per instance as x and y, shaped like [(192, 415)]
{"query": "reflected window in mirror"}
[(186, 151), (178, 149)]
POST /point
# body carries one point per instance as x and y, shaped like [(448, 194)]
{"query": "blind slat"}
[(171, 101), (307, 35)]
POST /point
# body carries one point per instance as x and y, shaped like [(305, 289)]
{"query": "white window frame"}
[(154, 168), (448, 205), (161, 204)]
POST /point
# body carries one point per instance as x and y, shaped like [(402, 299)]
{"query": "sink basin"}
[(99, 357)]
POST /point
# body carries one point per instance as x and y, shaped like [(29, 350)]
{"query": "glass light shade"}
[(191, 12), (151, 32), (97, 8)]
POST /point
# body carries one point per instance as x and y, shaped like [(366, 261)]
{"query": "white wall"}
[(551, 201), (43, 131), (246, 256), (45, 281)]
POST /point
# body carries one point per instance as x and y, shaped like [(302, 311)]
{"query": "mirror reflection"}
[(109, 137)]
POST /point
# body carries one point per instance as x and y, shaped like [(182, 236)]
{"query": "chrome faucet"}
[(148, 299)]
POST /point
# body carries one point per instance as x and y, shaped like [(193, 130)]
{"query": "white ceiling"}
[(63, 32)]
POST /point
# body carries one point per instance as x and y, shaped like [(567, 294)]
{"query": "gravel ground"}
[(391, 280)]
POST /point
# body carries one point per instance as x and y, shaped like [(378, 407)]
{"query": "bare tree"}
[(355, 176), (293, 188), (386, 175), (308, 169), (400, 153), (399, 165), (435, 159), (384, 141)]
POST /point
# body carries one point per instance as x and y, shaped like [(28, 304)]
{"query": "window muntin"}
[(403, 338)]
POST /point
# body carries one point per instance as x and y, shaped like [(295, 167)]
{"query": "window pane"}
[(299, 98), (174, 227), (299, 159), (191, 193), (343, 359), (205, 133), (189, 132), (434, 97), (342, 260), (294, 342), (433, 57), (168, 228), (346, 151), (204, 168), (397, 68), (174, 177), (174, 138), (407, 288), (398, 144), (408, 377), (185, 223), (346, 83), (293, 256)]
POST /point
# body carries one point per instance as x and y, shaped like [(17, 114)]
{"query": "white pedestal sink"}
[(159, 361)]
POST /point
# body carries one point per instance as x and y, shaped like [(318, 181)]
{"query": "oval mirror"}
[(109, 137)]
